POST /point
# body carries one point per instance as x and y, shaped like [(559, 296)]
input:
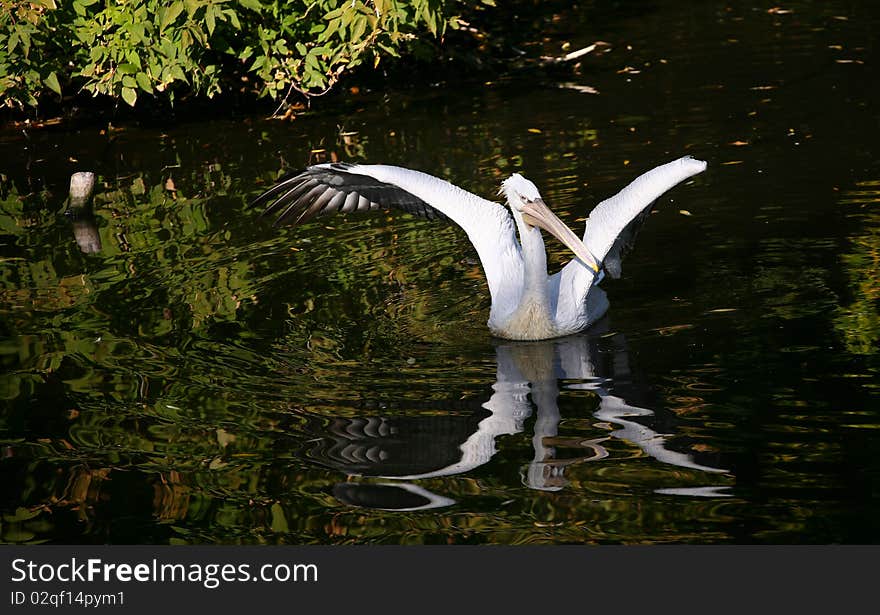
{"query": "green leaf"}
[(51, 82), (331, 28), (346, 17), (389, 50), (25, 40), (358, 28), (233, 19), (198, 34), (253, 5), (129, 95), (167, 48), (170, 14), (138, 33), (177, 72), (127, 69), (209, 19), (134, 58), (144, 82)]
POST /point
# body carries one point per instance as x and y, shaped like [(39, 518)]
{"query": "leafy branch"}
[(271, 48)]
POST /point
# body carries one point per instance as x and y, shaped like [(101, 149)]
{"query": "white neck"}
[(534, 253), (527, 313)]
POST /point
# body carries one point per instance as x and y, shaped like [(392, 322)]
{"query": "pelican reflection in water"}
[(529, 380), (527, 304)]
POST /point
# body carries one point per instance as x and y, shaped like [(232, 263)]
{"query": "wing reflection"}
[(402, 497), (529, 378)]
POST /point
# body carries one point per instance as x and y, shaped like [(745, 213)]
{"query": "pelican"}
[(527, 303)]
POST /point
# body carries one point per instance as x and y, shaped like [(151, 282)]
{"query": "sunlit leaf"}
[(51, 82), (253, 5), (129, 95), (170, 14), (143, 82), (209, 19)]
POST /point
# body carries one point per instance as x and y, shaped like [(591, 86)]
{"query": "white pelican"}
[(527, 304)]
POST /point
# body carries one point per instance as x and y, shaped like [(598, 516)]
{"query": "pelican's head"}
[(517, 189), (526, 203)]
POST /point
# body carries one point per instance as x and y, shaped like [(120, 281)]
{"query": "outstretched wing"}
[(328, 188), (337, 187), (609, 232), (613, 223), (624, 243)]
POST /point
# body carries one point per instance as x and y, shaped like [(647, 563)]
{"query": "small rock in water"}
[(82, 184)]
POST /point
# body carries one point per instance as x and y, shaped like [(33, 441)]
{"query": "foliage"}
[(859, 322), (30, 59), (151, 47)]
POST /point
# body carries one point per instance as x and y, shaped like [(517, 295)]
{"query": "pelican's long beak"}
[(536, 213)]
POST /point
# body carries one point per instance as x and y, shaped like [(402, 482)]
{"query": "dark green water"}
[(204, 377)]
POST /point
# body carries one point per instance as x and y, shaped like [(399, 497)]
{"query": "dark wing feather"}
[(624, 243), (326, 189)]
